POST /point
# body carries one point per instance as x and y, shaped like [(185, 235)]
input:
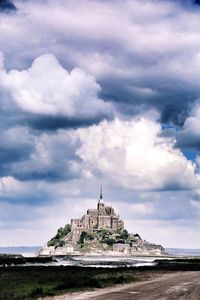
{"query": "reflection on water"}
[(102, 261), (99, 261)]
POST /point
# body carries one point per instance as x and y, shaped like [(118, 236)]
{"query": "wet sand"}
[(173, 285)]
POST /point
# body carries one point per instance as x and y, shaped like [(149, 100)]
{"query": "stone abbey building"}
[(104, 217)]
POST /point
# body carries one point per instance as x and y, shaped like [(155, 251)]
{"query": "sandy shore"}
[(173, 285)]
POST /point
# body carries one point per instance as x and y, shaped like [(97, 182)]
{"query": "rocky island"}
[(99, 231)]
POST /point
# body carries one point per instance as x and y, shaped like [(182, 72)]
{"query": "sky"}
[(93, 93)]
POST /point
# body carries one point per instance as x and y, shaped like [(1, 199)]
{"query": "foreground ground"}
[(176, 285), (168, 279), (18, 283)]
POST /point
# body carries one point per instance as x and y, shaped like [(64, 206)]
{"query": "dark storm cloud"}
[(13, 149), (172, 99), (6, 6), (12, 116), (188, 138), (24, 145), (52, 159), (50, 123)]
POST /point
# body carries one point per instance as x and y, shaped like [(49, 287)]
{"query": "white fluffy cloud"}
[(132, 154), (47, 88)]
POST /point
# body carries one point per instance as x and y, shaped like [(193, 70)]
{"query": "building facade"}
[(104, 217)]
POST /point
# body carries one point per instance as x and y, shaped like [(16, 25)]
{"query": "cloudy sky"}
[(100, 92)]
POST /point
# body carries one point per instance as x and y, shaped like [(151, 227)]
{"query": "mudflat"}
[(175, 285)]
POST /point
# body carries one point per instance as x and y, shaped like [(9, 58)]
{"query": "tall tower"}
[(101, 203)]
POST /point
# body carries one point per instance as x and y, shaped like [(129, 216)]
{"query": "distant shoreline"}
[(32, 250)]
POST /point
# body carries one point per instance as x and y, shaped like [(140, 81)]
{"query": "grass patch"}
[(18, 283)]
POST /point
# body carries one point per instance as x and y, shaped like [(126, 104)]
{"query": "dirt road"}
[(179, 285)]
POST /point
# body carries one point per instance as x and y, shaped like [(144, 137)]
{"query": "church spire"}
[(101, 193), (101, 196), (100, 204)]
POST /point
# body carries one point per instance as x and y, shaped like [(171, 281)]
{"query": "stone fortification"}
[(104, 217)]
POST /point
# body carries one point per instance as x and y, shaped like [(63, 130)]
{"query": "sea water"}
[(25, 251), (183, 252)]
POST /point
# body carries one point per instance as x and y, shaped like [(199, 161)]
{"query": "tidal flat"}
[(33, 282)]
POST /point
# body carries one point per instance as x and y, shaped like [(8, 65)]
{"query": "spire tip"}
[(101, 193)]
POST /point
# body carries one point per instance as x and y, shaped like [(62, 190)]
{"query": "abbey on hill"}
[(104, 217), (100, 231)]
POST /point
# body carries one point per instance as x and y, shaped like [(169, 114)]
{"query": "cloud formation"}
[(52, 159), (100, 91), (46, 88), (134, 155), (189, 136), (148, 59), (6, 6)]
